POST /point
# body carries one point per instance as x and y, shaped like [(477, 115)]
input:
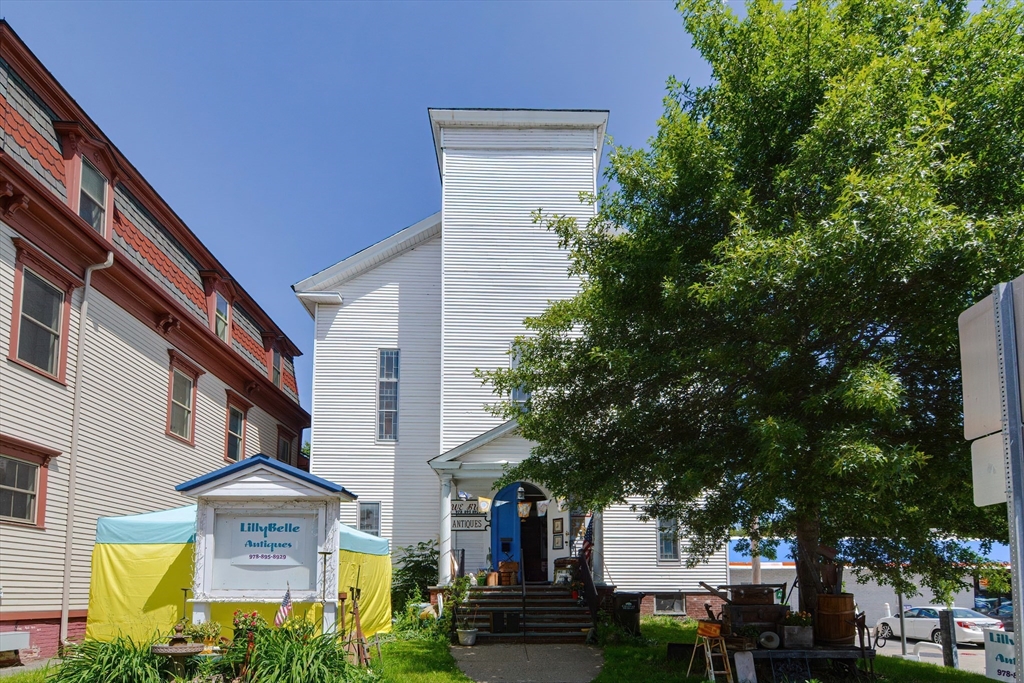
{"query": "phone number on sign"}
[(1003, 673), (261, 556)]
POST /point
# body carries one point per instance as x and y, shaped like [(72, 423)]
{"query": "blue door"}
[(505, 526)]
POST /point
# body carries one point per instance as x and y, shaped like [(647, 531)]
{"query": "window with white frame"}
[(369, 518), (519, 394), (387, 395), (182, 395), (220, 319), (93, 197), (39, 329), (668, 540), (18, 483), (236, 433)]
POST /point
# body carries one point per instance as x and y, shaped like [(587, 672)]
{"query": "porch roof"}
[(451, 460)]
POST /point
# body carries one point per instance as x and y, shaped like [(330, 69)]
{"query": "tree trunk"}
[(808, 535)]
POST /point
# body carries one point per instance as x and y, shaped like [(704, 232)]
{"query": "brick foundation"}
[(44, 640), (693, 603), (647, 605)]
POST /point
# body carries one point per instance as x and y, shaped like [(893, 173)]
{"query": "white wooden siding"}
[(498, 266), (545, 139), (631, 556), (394, 306), (126, 463)]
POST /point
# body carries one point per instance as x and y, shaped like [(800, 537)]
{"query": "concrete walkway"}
[(529, 663)]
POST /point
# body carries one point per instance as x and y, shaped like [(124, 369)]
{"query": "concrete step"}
[(531, 637)]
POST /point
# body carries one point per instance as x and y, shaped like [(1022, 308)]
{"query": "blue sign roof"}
[(261, 459)]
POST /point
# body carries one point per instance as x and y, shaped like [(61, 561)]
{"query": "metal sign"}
[(465, 507), (993, 372)]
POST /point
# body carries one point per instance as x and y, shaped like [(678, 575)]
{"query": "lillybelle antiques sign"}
[(999, 656), (469, 515), (267, 541)]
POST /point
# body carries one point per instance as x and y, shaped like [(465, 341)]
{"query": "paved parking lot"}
[(972, 657)]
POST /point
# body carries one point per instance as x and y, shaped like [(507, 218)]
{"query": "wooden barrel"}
[(834, 624)]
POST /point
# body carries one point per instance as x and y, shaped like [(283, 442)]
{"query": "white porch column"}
[(598, 553), (444, 565)]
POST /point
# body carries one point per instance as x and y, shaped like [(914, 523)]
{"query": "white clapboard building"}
[(402, 325)]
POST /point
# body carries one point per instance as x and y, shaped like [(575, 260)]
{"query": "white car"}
[(923, 624)]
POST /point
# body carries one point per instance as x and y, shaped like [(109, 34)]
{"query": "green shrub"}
[(122, 660), (416, 570), (296, 653)]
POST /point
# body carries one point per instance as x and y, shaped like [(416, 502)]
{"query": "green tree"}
[(767, 322)]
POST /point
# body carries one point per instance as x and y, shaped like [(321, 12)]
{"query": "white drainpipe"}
[(69, 534)]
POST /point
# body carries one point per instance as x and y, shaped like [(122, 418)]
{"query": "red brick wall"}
[(45, 636), (694, 604)]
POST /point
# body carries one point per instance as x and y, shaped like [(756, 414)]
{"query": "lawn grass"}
[(418, 661), (648, 662), (33, 676)]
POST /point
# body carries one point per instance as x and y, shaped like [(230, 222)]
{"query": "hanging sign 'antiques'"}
[(467, 515)]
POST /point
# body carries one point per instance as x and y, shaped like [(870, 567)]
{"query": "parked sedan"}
[(923, 624), (1004, 613)]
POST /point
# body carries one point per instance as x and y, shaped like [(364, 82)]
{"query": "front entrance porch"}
[(481, 527)]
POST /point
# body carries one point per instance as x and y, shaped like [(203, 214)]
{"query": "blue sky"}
[(290, 135)]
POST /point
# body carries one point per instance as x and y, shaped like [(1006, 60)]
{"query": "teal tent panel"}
[(362, 542), (166, 526)]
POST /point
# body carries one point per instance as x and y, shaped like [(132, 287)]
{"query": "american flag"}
[(285, 610), (588, 540)]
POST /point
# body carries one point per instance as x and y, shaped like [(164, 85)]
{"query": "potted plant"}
[(798, 630), (206, 633), (747, 637), (481, 577), (466, 627), (577, 589)]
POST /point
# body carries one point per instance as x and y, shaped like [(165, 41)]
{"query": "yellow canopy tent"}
[(141, 565)]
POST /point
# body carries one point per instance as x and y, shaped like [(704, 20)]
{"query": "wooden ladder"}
[(714, 651)]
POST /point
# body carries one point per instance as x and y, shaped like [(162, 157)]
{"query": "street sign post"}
[(992, 364)]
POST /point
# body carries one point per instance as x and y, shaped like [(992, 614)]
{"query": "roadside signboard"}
[(992, 365), (999, 656)]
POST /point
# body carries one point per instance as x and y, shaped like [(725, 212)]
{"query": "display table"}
[(795, 665)]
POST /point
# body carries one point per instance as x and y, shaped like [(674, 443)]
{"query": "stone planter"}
[(797, 637), (467, 636)]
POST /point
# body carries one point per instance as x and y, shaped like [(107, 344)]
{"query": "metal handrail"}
[(589, 589)]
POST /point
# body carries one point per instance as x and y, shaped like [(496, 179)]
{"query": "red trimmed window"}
[(90, 171), (234, 429), (41, 313), (24, 469), (285, 447), (221, 317), (92, 199), (181, 398)]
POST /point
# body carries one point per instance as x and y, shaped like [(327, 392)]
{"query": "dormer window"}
[(277, 368), (220, 321), (93, 198)]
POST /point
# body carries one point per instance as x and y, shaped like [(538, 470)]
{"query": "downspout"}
[(69, 534)]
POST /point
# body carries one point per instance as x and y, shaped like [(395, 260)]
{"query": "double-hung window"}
[(369, 518), (181, 399), (668, 540), (277, 368), (18, 489), (387, 395), (519, 394), (220, 318), (284, 448), (39, 330), (181, 404), (93, 197), (236, 433)]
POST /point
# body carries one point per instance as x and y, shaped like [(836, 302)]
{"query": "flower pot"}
[(575, 595), (797, 637), (467, 636)]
